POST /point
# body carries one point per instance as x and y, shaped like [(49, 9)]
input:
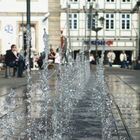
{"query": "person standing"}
[(57, 62), (92, 59), (123, 60), (111, 57)]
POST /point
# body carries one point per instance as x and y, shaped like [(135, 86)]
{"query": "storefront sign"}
[(99, 42)]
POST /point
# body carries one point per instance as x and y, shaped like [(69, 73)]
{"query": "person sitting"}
[(15, 60), (51, 55), (40, 60)]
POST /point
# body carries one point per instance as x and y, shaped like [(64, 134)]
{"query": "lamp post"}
[(28, 12), (97, 29), (91, 24), (28, 33)]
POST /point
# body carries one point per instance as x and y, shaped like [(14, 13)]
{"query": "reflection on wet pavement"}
[(12, 112), (125, 91), (13, 106)]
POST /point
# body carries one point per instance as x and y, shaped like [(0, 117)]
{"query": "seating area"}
[(2, 59), (9, 71)]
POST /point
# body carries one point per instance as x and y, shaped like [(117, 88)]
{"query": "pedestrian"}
[(92, 59), (123, 60), (129, 61), (111, 57), (57, 62), (133, 61)]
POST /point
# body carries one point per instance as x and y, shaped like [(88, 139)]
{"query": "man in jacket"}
[(111, 57), (15, 60), (123, 60)]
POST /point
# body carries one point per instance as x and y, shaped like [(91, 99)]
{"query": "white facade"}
[(120, 25), (13, 20)]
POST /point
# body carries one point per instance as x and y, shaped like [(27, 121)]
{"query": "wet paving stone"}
[(126, 95), (85, 122)]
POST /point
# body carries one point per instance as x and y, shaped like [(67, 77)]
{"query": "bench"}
[(50, 64), (10, 71), (2, 57)]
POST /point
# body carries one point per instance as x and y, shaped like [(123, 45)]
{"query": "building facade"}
[(80, 18), (54, 23), (77, 19), (13, 24)]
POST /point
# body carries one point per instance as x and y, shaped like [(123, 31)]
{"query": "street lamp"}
[(28, 13), (28, 32), (97, 29), (45, 17)]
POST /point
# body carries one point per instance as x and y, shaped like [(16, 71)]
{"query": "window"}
[(73, 21), (125, 21), (109, 0), (91, 21), (109, 21), (125, 0)]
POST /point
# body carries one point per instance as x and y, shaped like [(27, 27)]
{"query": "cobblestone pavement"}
[(124, 89)]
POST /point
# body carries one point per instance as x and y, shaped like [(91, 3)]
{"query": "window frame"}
[(110, 20), (73, 21), (125, 21)]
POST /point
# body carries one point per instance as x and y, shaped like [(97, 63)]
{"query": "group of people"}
[(123, 59), (53, 57), (111, 56), (14, 59)]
